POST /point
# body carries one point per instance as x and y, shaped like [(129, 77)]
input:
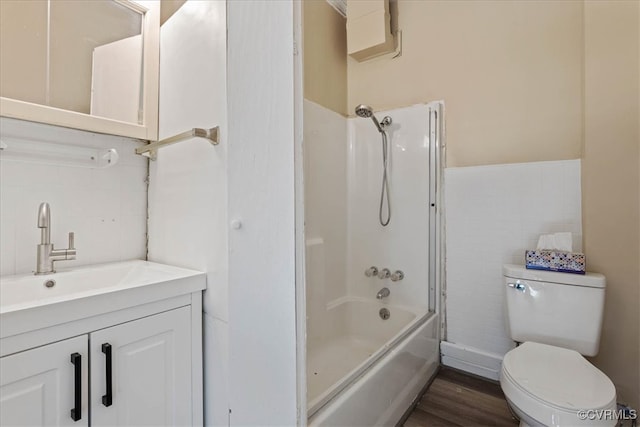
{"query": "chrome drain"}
[(384, 314), (50, 283)]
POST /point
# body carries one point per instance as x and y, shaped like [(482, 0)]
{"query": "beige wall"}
[(325, 55), (611, 182), (27, 60), (509, 72), (168, 8)]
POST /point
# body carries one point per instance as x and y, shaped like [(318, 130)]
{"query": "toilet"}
[(556, 318)]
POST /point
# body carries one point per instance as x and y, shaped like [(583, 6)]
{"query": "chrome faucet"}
[(46, 253), (383, 293)]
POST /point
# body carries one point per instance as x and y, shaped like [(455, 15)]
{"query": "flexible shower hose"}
[(384, 192)]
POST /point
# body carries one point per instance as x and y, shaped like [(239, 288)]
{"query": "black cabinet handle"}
[(76, 412), (107, 399)]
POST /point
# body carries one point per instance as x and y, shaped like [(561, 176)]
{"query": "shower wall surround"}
[(106, 208), (325, 168), (494, 213), (403, 244), (343, 174)]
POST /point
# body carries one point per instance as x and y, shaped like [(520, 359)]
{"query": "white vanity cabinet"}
[(140, 375), (38, 387), (128, 354), (141, 372)]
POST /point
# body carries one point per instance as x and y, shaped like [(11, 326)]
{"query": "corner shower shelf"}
[(151, 150)]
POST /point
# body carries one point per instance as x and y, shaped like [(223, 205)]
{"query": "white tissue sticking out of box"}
[(556, 242)]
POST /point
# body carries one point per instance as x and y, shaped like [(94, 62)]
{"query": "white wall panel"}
[(493, 214), (188, 191), (188, 181), (106, 208), (216, 371), (262, 297)]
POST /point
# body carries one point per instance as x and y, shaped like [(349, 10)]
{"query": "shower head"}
[(366, 112)]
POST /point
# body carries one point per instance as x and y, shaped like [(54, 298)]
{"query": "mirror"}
[(80, 57)]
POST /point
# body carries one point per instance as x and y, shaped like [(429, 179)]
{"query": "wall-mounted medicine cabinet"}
[(90, 65)]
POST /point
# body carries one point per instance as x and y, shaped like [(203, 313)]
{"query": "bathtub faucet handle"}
[(384, 273), (371, 271), (397, 275)]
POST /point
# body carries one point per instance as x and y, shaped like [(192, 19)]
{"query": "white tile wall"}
[(106, 208), (494, 213)]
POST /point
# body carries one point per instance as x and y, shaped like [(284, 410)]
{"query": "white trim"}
[(70, 119), (197, 369), (471, 360), (301, 299)]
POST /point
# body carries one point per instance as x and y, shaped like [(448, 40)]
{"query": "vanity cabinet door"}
[(46, 386), (141, 372)]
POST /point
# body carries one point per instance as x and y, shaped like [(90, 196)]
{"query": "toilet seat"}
[(551, 384)]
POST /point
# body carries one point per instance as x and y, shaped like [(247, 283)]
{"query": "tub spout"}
[(383, 293)]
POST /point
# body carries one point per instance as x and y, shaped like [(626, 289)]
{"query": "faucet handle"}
[(72, 240), (384, 273), (397, 275), (371, 271)]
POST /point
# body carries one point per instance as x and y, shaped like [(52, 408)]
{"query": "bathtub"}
[(365, 370)]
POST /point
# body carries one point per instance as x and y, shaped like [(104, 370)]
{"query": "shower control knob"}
[(371, 271), (384, 273), (397, 275)]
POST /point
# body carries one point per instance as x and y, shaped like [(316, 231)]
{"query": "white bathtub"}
[(363, 370)]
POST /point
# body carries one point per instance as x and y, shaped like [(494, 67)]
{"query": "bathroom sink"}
[(29, 301)]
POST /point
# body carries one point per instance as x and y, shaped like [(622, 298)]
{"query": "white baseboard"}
[(471, 360)]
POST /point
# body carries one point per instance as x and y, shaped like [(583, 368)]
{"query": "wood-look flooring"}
[(457, 399)]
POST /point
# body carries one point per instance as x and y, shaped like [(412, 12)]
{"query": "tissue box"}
[(564, 262)]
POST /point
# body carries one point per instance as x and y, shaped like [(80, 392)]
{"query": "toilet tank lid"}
[(591, 280)]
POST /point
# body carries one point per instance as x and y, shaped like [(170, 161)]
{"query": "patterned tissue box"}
[(564, 262)]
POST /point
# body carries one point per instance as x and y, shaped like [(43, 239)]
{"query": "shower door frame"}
[(437, 157)]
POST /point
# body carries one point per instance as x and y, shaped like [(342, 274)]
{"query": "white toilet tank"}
[(559, 309)]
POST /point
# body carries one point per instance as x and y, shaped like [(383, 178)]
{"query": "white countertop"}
[(26, 303)]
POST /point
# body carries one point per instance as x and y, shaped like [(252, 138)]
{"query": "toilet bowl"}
[(558, 318), (553, 386)]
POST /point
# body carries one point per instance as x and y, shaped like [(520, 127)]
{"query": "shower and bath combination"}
[(367, 112), (362, 347)]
